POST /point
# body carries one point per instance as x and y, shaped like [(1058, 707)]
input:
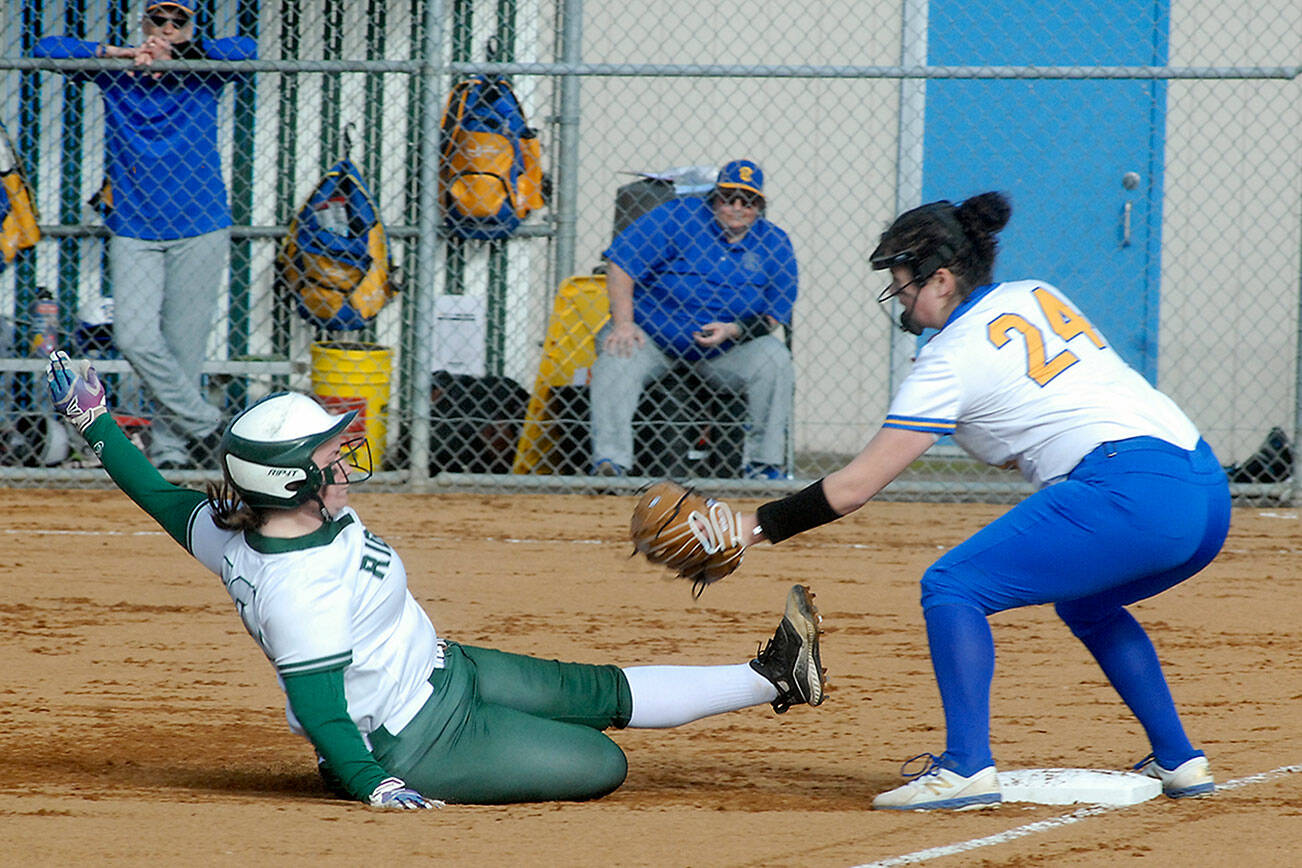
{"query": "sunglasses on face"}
[(741, 200), (178, 20)]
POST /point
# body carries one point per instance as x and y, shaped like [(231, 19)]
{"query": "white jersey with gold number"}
[(336, 597), (1018, 374)]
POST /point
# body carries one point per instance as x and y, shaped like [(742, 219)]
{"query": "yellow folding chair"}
[(580, 310)]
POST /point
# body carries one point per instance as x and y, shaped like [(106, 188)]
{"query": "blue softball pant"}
[(1133, 518)]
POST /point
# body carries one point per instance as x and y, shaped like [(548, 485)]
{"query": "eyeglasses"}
[(160, 20), (892, 289), (740, 199)]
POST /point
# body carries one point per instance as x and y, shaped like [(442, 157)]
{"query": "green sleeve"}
[(318, 701), (169, 505)]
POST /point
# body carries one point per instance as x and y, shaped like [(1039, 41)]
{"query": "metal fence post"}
[(286, 161), (29, 145), (427, 237), (909, 153), (567, 187), (239, 324), (1295, 498), (73, 116)]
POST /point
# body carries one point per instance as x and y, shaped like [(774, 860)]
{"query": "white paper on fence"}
[(1067, 786), (460, 335)]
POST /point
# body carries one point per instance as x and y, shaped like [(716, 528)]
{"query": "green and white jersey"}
[(336, 598), (331, 611)]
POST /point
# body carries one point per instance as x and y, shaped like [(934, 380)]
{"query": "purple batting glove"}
[(78, 395)]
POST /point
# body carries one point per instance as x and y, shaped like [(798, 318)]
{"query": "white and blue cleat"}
[(937, 788), (1191, 778)]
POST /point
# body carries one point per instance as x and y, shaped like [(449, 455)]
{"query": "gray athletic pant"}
[(164, 308), (760, 368)]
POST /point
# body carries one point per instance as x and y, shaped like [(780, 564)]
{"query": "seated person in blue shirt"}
[(168, 214), (703, 281)]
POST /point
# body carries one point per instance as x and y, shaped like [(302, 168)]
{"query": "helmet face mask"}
[(913, 242), (355, 455), (266, 451)]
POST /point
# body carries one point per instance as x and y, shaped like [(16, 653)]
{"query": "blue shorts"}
[(1133, 518)]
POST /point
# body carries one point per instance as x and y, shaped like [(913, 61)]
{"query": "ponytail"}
[(982, 217)]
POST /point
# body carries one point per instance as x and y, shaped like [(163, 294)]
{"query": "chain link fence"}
[(1152, 152)]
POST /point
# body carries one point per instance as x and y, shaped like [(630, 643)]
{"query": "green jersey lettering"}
[(376, 564)]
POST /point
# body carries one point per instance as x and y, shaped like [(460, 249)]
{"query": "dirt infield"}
[(142, 725)]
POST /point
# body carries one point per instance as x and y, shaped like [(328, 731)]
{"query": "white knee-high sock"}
[(665, 696)]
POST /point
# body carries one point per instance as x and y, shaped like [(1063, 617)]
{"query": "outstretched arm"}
[(79, 396), (231, 48), (840, 493), (884, 458)]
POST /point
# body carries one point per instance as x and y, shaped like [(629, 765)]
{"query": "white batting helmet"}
[(267, 449)]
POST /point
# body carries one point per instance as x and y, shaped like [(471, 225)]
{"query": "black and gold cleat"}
[(791, 659)]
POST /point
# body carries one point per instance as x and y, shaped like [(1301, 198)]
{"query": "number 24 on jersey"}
[(1065, 323)]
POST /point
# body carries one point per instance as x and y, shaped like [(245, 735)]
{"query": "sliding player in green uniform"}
[(398, 715)]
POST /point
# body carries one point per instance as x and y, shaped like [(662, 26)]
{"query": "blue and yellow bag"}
[(334, 260), (490, 166), (18, 214)]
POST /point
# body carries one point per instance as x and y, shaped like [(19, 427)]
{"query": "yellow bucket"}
[(355, 376)]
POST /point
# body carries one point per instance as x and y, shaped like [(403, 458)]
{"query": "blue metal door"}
[(1081, 160)]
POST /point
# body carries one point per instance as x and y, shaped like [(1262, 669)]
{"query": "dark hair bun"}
[(984, 213)]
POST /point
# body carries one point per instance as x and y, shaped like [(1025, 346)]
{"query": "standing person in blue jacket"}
[(703, 281), (168, 215)]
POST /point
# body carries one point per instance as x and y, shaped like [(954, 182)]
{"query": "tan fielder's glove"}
[(699, 538)]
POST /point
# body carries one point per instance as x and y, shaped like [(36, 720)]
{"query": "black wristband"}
[(795, 513), (752, 327)]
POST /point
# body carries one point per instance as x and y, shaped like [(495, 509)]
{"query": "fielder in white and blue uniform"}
[(1131, 499)]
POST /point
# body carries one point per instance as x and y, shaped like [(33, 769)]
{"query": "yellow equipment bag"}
[(18, 214), (334, 261)]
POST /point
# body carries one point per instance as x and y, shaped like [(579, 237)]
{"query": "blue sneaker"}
[(763, 471), (606, 467)]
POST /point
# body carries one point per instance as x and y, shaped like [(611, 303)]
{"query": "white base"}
[(1066, 786)]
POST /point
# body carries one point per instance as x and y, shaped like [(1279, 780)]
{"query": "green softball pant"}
[(503, 728)]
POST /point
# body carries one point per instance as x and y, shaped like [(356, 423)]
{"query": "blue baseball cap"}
[(742, 175)]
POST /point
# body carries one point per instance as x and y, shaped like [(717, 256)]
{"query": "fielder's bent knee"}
[(943, 586), (1084, 618)]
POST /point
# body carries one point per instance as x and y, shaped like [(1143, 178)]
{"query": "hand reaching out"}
[(75, 390)]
